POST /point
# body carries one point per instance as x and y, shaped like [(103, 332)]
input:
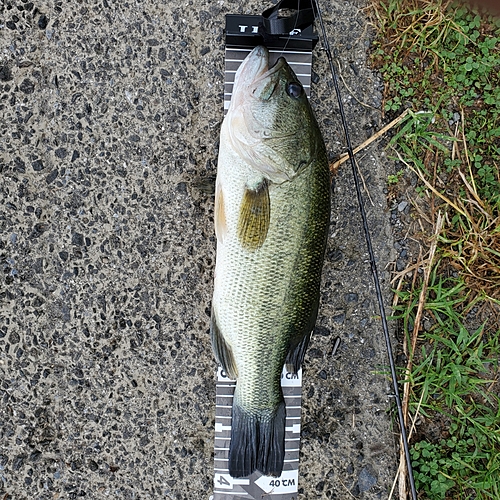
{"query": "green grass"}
[(442, 60), (395, 178), (451, 383)]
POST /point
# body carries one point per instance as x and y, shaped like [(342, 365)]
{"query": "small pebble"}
[(400, 265), (366, 479), (402, 205), (42, 22)]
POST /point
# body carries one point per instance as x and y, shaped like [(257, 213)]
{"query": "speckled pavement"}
[(109, 119)]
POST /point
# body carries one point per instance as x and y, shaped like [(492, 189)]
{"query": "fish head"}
[(270, 123)]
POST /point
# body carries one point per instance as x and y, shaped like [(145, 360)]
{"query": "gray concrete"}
[(110, 113)]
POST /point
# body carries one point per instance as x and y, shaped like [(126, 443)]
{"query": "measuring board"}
[(241, 37), (257, 486)]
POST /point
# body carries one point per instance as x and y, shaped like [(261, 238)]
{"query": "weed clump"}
[(441, 60), (441, 57)]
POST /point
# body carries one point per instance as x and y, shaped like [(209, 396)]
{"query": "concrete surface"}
[(110, 113)]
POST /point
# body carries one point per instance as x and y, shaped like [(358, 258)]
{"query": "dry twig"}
[(334, 166)]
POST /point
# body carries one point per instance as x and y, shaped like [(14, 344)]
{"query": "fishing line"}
[(295, 24), (373, 265), (275, 26), (282, 54)]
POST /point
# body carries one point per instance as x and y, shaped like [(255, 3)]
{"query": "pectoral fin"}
[(220, 214), (255, 214), (222, 351)]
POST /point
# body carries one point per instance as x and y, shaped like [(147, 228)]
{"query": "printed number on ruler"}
[(286, 483), (225, 481)]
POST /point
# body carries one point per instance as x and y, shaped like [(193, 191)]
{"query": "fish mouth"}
[(255, 68)]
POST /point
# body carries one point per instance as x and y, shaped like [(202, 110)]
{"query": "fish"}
[(271, 217)]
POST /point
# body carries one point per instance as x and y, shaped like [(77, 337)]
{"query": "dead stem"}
[(430, 186), (416, 328)]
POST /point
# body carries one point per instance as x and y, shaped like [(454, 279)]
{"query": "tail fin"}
[(257, 442)]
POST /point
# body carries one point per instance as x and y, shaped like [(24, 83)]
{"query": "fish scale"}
[(272, 217)]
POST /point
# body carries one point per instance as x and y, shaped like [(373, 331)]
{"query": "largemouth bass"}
[(272, 212)]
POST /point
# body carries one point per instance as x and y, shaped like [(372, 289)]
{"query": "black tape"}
[(302, 17), (295, 31)]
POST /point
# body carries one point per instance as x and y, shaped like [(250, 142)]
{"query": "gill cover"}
[(269, 119)]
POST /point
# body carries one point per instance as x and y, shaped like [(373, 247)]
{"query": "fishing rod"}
[(373, 265)]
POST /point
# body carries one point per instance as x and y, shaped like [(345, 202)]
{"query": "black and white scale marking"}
[(258, 486)]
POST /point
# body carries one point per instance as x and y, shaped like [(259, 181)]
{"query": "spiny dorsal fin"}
[(255, 213)]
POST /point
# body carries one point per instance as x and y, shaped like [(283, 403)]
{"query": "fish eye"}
[(294, 89)]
